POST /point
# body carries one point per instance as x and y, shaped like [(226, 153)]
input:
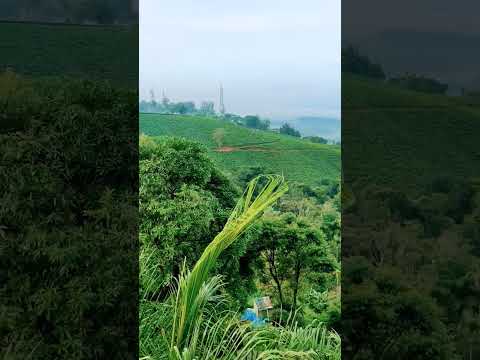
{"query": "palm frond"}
[(293, 342), (194, 289)]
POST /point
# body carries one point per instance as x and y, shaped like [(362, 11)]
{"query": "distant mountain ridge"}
[(425, 52), (326, 127)]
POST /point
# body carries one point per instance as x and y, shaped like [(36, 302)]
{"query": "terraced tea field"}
[(299, 160), (409, 137), (74, 50)]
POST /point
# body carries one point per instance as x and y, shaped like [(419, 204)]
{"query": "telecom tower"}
[(222, 106)]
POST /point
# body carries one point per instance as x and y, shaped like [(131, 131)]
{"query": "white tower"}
[(221, 107)]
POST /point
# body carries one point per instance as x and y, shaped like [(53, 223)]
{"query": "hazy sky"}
[(275, 58)]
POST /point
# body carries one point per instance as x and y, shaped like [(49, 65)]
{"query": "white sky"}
[(275, 58)]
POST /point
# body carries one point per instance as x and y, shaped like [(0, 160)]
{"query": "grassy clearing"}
[(299, 160)]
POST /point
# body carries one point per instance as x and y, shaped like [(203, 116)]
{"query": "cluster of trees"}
[(194, 205), (317, 139), (195, 315), (287, 129), (255, 122), (207, 108), (292, 254), (250, 121), (295, 252), (321, 140), (295, 257), (355, 63), (419, 83), (412, 272), (184, 202)]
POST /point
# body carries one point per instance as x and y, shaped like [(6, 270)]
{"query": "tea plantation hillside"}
[(394, 126), (239, 148), (73, 50)]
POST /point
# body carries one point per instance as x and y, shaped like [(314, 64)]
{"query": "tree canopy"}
[(287, 129), (184, 202)]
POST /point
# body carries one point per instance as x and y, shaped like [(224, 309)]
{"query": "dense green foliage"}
[(184, 203), (190, 323), (68, 219), (317, 139), (414, 275), (169, 107), (419, 83), (254, 122), (289, 130), (292, 249), (93, 52), (195, 288), (436, 126), (298, 160), (410, 223), (355, 63)]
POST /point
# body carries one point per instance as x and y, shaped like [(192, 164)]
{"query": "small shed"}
[(262, 304)]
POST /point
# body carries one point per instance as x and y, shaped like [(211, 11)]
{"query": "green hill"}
[(299, 160), (100, 52), (410, 138)]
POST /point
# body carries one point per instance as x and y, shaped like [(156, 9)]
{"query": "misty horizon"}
[(275, 118), (187, 48)]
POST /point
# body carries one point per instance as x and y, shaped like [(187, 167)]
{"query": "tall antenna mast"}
[(222, 106)]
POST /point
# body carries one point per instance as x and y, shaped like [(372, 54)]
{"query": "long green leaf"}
[(192, 292)]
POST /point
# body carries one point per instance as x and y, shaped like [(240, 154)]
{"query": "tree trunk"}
[(273, 272), (296, 284)]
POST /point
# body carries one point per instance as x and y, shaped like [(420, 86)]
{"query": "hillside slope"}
[(241, 148), (326, 127), (409, 137), (74, 50)]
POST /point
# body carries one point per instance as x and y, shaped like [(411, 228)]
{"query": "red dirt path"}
[(227, 149)]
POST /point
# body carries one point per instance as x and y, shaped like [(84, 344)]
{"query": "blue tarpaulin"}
[(249, 315)]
